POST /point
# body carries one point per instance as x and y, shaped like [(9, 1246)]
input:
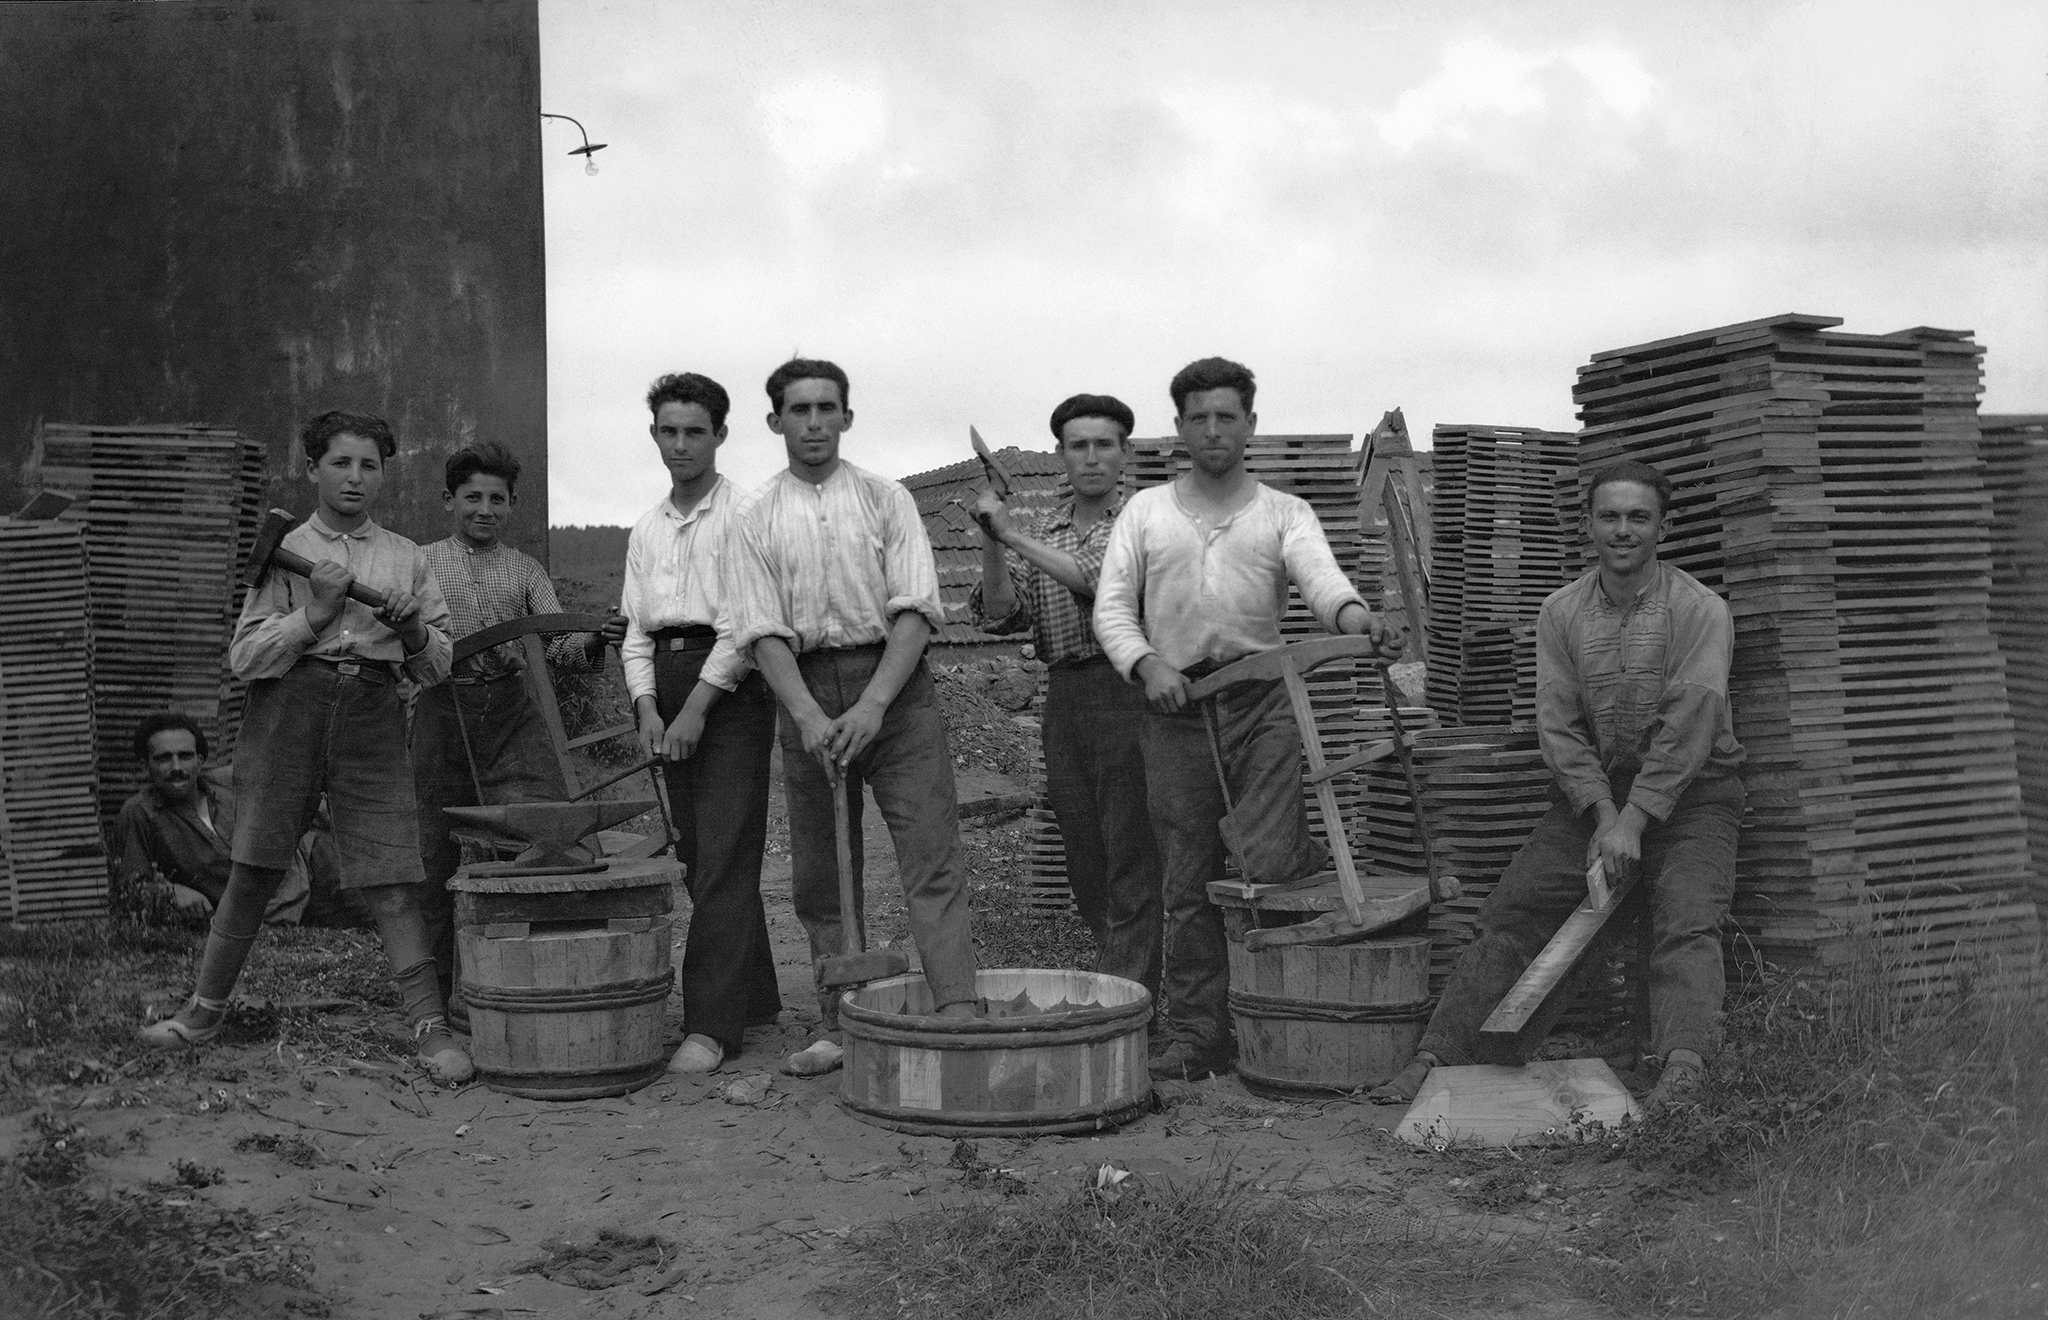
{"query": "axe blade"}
[(269, 535)]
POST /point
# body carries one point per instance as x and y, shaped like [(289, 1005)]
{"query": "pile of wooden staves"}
[(52, 861), (1829, 486), (1498, 547), (168, 514), (2016, 469)]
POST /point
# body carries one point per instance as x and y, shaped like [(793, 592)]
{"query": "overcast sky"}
[(980, 208)]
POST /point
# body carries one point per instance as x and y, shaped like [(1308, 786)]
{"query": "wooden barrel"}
[(1321, 1021), (1080, 1069), (567, 978)]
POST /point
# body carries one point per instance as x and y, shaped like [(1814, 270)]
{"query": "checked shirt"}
[(485, 588), (1059, 618)]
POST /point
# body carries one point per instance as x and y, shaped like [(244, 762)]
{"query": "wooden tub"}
[(1076, 1070)]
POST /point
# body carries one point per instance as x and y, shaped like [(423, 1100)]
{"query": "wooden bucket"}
[(567, 978), (1076, 1070), (1322, 1021)]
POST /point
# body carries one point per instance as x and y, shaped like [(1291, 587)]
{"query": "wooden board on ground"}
[(1492, 1105)]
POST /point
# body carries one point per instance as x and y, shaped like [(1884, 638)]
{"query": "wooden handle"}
[(852, 939), (292, 561)]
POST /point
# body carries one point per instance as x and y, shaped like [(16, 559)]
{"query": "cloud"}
[(819, 124), (1481, 76)]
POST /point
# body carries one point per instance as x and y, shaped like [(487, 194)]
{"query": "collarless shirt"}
[(675, 566), (830, 564), (1637, 690), (172, 838), (1174, 587), (273, 634), (1057, 616), (495, 585)]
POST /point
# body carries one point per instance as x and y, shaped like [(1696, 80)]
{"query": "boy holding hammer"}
[(324, 716)]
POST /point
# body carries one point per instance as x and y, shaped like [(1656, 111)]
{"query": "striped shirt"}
[(1635, 690), (674, 563), (1171, 588), (829, 564), (273, 634), (485, 588), (1058, 617)]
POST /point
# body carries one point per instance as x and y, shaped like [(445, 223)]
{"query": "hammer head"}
[(269, 533), (850, 969)]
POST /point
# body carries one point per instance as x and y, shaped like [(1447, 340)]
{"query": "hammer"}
[(268, 551), (855, 966)]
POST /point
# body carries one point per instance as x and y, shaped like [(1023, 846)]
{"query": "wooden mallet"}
[(268, 550), (856, 964)]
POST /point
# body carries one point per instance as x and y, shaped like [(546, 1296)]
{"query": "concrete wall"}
[(248, 213)]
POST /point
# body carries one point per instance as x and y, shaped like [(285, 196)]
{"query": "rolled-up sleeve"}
[(727, 665), (1119, 589), (1562, 727), (1324, 588), (1019, 618), (272, 633), (912, 576), (1694, 704), (432, 663), (636, 653)]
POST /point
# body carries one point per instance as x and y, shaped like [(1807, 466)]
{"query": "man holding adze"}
[(1196, 577)]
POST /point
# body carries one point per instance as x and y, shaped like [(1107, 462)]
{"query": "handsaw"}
[(998, 475)]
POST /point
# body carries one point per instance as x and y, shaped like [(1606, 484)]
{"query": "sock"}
[(233, 932)]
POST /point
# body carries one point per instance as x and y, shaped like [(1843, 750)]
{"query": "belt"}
[(367, 671), (473, 680), (689, 637), (1099, 658)]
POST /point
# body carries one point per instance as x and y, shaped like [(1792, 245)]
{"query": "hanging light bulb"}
[(590, 165), (588, 150)]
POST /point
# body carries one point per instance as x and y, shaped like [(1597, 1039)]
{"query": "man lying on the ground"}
[(1632, 709), (171, 840)]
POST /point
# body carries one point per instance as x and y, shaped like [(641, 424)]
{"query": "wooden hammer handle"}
[(293, 561)]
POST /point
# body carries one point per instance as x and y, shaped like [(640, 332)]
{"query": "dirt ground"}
[(412, 1201)]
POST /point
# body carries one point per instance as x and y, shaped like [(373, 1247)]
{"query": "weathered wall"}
[(248, 213)]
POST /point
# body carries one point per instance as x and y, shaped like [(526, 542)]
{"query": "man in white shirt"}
[(1196, 577), (834, 590), (701, 705)]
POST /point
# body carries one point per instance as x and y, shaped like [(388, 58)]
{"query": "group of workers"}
[(817, 594)]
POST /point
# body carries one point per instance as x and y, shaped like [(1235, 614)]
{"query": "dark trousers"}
[(1095, 775), (1687, 880), (1262, 759), (910, 769), (501, 734), (719, 801)]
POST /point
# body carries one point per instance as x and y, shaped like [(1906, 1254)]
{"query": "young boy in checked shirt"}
[(480, 731), (1094, 764), (324, 715)]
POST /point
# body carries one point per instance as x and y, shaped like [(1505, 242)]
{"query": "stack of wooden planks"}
[(1483, 790), (1498, 548), (2015, 452), (1829, 486), (168, 513), (52, 861)]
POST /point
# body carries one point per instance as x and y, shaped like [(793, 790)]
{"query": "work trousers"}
[(1261, 754), (718, 800), (1095, 775), (499, 742), (1687, 881), (910, 769)]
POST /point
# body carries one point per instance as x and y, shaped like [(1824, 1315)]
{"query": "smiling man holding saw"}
[(1632, 709)]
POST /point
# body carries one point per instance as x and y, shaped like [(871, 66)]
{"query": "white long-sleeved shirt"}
[(1169, 588), (273, 634), (829, 564), (675, 567)]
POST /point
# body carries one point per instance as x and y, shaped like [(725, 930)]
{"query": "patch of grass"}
[(1173, 1250), (1853, 1153), (65, 1251)]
